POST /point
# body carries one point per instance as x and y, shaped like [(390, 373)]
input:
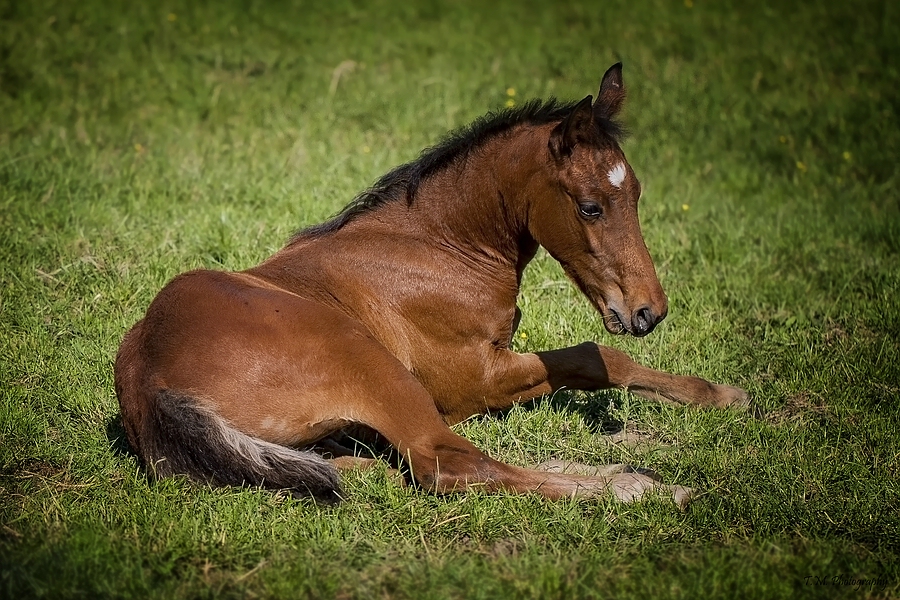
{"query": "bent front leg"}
[(591, 367)]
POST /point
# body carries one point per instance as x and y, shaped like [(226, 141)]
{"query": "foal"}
[(397, 315)]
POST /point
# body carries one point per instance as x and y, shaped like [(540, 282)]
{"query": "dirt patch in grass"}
[(19, 481), (34, 467), (800, 409), (631, 437)]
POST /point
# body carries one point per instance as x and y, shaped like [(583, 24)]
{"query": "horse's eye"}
[(589, 210)]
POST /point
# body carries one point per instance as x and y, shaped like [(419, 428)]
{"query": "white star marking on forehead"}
[(616, 175)]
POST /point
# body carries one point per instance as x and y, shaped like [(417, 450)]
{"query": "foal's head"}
[(589, 221)]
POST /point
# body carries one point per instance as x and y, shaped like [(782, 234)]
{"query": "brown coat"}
[(398, 314)]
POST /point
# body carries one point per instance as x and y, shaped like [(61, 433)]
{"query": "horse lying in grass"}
[(397, 316)]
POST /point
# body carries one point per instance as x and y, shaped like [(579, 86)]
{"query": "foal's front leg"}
[(589, 366)]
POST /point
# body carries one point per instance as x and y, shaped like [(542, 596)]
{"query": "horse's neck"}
[(476, 210), (481, 203)]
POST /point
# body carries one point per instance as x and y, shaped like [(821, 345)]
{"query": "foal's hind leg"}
[(443, 461), (399, 408), (446, 462), (394, 403)]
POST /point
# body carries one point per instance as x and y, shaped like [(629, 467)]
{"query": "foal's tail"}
[(184, 437)]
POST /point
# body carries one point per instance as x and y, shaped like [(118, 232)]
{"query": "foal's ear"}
[(575, 128), (612, 93)]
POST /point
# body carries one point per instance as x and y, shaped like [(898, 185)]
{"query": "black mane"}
[(404, 181)]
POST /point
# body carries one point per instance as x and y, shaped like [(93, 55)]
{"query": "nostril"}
[(643, 320)]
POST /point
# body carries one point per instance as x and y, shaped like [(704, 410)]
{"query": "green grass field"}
[(140, 140)]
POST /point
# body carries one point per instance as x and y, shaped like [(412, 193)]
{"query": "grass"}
[(139, 140)]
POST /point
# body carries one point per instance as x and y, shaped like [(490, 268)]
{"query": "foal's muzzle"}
[(643, 320)]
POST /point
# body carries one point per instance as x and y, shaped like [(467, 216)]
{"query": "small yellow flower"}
[(523, 335), (847, 155), (685, 207), (801, 166), (366, 149), (510, 103), (510, 91), (172, 17)]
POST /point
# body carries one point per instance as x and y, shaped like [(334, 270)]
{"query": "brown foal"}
[(397, 315)]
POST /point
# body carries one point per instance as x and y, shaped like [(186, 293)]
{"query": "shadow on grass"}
[(594, 408), (118, 440)]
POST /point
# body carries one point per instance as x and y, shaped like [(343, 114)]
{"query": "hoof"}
[(732, 397), (631, 487), (565, 467), (627, 483), (682, 495)]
